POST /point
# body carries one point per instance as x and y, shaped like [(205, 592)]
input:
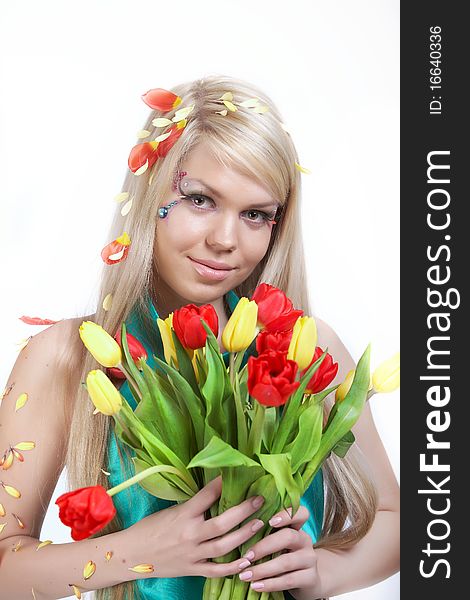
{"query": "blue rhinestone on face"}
[(162, 212)]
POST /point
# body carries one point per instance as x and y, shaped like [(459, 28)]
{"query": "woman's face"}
[(224, 218)]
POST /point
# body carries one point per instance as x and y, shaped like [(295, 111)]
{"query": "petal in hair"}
[(107, 302), (161, 99), (121, 197), (143, 133), (127, 207), (302, 169), (161, 122)]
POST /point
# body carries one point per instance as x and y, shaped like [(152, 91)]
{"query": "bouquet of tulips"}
[(263, 427)]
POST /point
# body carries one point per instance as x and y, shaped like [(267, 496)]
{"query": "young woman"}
[(216, 214)]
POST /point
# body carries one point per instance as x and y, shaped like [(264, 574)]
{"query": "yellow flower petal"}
[(144, 568), (44, 543), (127, 207), (222, 112), (250, 103), (143, 133), (121, 197), (2, 526), (24, 446), (6, 464), (21, 401), (3, 512), (161, 122), (76, 591), (108, 555), (182, 113), (230, 105), (6, 391), (22, 344), (88, 570), (142, 169), (163, 136), (11, 490), (19, 521), (107, 302), (105, 472), (16, 547), (124, 239), (386, 377), (302, 169), (261, 109), (226, 96)]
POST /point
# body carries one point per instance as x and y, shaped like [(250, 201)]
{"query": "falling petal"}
[(2, 526), (108, 555), (24, 446), (227, 96), (161, 99), (222, 112), (42, 544), (16, 547), (3, 512), (33, 594), (24, 342), (127, 207), (88, 570), (143, 133), (161, 122), (105, 472), (249, 103), (11, 490), (261, 109), (144, 568), (76, 590), (7, 460), (19, 521), (21, 401), (17, 454), (37, 321), (163, 136), (121, 197), (107, 302), (6, 391), (230, 106), (302, 169), (143, 168), (182, 113)]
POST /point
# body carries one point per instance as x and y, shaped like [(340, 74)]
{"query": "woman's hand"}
[(296, 568), (179, 541)]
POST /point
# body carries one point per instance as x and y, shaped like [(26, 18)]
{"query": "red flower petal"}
[(141, 153), (37, 321), (116, 249), (161, 99), (166, 145)]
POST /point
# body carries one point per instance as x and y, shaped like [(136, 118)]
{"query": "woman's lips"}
[(209, 273)]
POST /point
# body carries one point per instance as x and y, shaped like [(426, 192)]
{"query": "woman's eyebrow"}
[(214, 192)]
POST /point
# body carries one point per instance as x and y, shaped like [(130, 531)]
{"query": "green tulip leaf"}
[(344, 444), (306, 443), (279, 465), (185, 365), (131, 367), (218, 454), (157, 485)]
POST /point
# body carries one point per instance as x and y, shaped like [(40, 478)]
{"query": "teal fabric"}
[(134, 503)]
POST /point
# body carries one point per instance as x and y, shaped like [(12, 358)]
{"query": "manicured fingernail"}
[(257, 525), (249, 555), (258, 501), (246, 575), (275, 520), (257, 585), (244, 564)]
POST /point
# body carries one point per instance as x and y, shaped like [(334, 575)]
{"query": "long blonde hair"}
[(256, 145)]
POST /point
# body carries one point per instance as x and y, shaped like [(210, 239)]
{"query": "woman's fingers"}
[(205, 498), (226, 543), (230, 518), (288, 538), (291, 561), (283, 518), (306, 578)]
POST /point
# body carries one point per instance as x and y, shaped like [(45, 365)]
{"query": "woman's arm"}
[(41, 372), (376, 556)]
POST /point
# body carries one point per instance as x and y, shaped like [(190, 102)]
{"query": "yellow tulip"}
[(386, 377), (241, 328), (343, 388), (303, 342), (165, 327), (103, 394), (100, 344)]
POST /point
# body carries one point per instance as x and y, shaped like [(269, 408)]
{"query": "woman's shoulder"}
[(329, 339)]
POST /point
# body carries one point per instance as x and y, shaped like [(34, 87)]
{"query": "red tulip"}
[(160, 99), (273, 340), (136, 351), (166, 145), (324, 375), (141, 153), (86, 510), (275, 311), (188, 327), (271, 377)]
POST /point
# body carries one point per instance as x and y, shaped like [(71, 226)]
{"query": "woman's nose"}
[(223, 232)]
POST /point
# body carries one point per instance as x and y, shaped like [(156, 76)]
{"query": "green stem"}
[(140, 476), (130, 380), (256, 432)]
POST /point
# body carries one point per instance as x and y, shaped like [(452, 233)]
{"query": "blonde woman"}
[(214, 216)]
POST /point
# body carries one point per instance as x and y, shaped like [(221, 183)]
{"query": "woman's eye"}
[(256, 217)]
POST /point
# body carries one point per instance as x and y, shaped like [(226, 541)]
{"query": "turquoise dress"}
[(134, 503)]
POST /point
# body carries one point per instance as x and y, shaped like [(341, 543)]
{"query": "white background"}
[(70, 107)]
